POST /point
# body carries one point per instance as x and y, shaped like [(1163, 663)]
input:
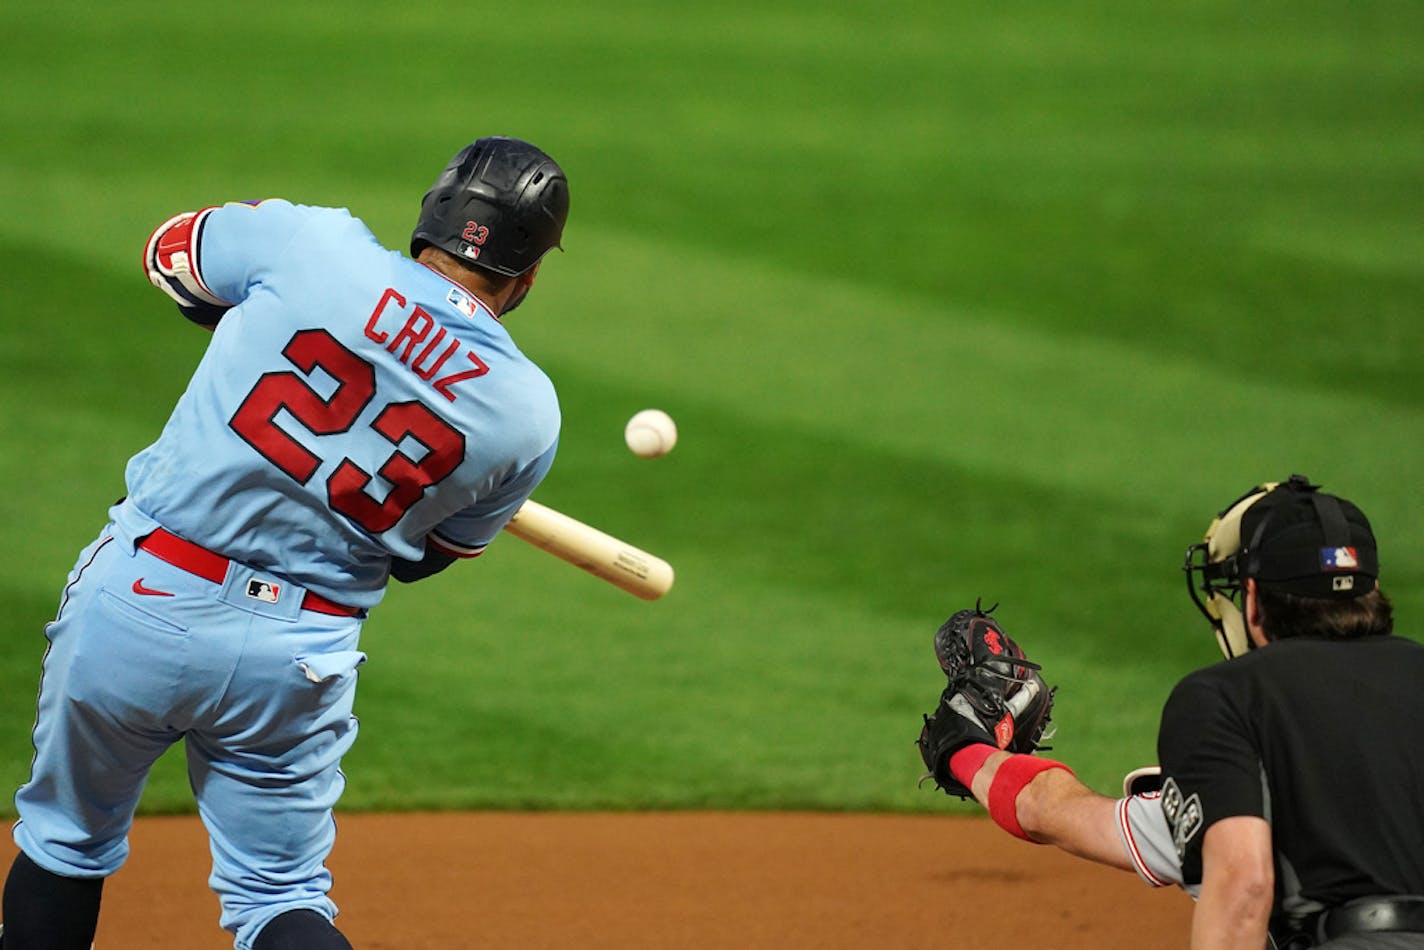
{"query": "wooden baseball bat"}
[(620, 564)]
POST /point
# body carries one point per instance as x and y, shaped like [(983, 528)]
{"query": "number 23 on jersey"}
[(355, 379)]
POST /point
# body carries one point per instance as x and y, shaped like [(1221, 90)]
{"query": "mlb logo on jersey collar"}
[(462, 302)]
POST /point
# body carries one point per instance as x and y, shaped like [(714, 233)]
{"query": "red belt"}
[(209, 566)]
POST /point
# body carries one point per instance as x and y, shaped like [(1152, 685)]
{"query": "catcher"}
[(1285, 803)]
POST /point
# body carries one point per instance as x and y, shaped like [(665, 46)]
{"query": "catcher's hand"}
[(995, 696)]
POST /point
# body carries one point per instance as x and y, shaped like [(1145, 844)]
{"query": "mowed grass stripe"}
[(975, 390), (1058, 166)]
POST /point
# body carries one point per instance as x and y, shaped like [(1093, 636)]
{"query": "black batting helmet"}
[(500, 204)]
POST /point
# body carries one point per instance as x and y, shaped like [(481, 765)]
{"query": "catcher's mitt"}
[(995, 696)]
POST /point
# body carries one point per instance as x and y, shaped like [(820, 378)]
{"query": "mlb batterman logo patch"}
[(1338, 559), (264, 591), (461, 301)]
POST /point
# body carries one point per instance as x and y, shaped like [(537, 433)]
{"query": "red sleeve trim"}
[(1134, 853), (453, 549)]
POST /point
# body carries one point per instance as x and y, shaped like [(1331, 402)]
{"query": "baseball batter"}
[(357, 415), (1276, 805)]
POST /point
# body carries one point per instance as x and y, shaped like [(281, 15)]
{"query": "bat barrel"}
[(585, 547)]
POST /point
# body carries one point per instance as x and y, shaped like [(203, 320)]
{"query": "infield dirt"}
[(665, 880)]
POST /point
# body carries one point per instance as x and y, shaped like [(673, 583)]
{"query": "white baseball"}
[(650, 433)]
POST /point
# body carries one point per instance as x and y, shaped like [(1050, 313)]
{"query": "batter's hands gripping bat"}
[(622, 565)]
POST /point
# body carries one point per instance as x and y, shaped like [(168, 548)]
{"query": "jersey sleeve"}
[(1147, 839), (468, 532), (240, 242), (1210, 768)]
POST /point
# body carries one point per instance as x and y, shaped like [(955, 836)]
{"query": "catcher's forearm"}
[(1057, 809), (1042, 801)]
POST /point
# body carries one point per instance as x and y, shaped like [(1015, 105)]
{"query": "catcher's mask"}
[(1289, 536), (500, 204)]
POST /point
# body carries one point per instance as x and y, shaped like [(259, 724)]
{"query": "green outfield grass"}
[(948, 300)]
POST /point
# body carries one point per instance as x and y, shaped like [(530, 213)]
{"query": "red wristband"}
[(967, 762), (1014, 773)]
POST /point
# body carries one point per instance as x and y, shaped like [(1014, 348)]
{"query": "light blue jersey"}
[(350, 404)]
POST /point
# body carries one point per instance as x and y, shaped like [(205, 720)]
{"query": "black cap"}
[(1299, 540)]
